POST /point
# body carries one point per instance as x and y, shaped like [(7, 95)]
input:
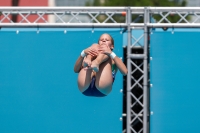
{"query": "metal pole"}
[(174, 9), (99, 25), (145, 69), (69, 25), (178, 25), (129, 71), (74, 8)]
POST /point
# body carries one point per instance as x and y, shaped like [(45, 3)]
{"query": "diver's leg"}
[(99, 59), (84, 79), (104, 77)]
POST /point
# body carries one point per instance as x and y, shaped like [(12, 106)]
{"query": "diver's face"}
[(105, 39)]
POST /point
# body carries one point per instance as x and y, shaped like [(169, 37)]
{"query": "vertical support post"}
[(145, 69), (128, 89)]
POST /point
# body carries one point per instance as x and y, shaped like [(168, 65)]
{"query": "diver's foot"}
[(87, 62), (95, 66)]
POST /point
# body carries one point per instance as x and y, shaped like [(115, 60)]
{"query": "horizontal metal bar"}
[(82, 8), (138, 9), (137, 28), (61, 12), (137, 25), (178, 25), (121, 25), (136, 56), (84, 25), (156, 9), (124, 115), (63, 8), (86, 10)]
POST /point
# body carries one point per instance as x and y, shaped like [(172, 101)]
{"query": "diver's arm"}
[(120, 65), (78, 64)]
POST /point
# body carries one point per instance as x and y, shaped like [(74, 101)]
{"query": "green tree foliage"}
[(142, 3)]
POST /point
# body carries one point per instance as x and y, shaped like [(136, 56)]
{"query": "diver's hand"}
[(104, 49)]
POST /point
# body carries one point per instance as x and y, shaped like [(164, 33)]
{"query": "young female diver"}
[(97, 67)]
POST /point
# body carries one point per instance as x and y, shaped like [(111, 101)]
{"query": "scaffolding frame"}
[(131, 18)]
